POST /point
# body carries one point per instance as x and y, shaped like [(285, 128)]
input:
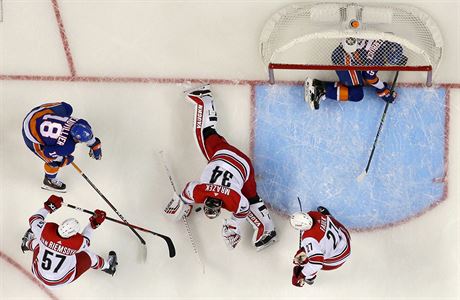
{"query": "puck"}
[(197, 209)]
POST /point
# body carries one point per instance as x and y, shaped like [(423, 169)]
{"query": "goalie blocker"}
[(227, 181)]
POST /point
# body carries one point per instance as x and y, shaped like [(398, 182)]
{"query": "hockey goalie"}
[(227, 182)]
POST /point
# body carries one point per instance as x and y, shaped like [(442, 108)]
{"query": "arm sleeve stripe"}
[(315, 263), (35, 218), (30, 124), (88, 241)]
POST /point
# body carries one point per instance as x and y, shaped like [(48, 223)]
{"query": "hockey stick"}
[(184, 219), (300, 231), (144, 248), (171, 248), (361, 176)]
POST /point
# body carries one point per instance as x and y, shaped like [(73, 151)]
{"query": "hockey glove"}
[(386, 94), (53, 203), (298, 279), (95, 150), (231, 233), (300, 258), (178, 208), (97, 219)]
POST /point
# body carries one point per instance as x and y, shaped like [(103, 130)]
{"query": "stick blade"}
[(171, 248), (142, 253), (361, 176)]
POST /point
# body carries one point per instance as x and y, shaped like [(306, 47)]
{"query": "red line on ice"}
[(65, 41), (29, 275)]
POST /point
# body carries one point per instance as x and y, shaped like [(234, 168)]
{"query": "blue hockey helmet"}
[(81, 131)]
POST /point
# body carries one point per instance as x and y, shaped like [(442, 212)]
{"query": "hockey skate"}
[(28, 236), (323, 210), (314, 92), (266, 240), (54, 185), (113, 262)]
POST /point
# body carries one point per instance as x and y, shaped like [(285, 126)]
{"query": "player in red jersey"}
[(228, 180), (325, 245), (60, 253)]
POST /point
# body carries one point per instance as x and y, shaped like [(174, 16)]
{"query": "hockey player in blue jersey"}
[(51, 133), (355, 52)]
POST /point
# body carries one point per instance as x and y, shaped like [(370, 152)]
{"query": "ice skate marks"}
[(317, 155)]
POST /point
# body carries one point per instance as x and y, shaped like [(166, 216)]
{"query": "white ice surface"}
[(216, 40)]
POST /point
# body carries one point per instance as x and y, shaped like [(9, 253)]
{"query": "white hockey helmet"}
[(68, 228), (350, 44), (301, 221)]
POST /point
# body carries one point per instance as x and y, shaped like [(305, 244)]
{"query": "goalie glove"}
[(177, 208), (231, 233)]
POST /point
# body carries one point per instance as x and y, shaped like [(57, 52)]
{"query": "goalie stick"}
[(361, 176), (171, 248), (184, 219)]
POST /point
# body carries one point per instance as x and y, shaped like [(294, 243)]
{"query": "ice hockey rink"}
[(123, 66)]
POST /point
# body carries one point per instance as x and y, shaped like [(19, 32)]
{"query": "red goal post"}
[(307, 36)]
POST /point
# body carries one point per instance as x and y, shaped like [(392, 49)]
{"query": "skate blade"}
[(48, 188), (260, 248)]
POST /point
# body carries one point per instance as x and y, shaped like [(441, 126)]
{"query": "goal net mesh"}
[(314, 35)]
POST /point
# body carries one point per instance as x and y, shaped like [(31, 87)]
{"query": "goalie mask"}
[(301, 221), (350, 44), (212, 207)]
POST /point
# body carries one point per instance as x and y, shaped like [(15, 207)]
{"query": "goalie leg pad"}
[(264, 229), (205, 114)]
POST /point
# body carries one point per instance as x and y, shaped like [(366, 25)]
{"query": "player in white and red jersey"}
[(228, 180), (60, 253), (325, 245)]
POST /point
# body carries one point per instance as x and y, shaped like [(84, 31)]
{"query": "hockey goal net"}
[(306, 36)]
